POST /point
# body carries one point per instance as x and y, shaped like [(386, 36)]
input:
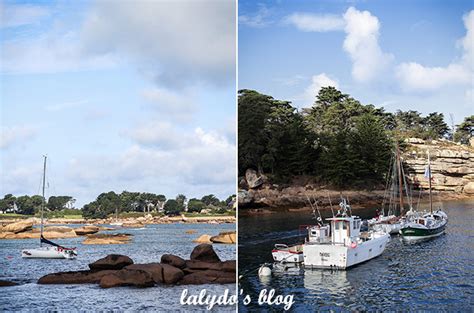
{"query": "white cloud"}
[(414, 76), (53, 52), (158, 134), (318, 82), (16, 134), (361, 42), (258, 20), (179, 42), (21, 14), (65, 105), (204, 160), (316, 22), (170, 104)]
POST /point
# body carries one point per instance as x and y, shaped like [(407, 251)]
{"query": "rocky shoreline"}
[(203, 267), (453, 179), (23, 229)]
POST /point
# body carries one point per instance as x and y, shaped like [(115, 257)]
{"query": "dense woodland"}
[(108, 203), (338, 140)]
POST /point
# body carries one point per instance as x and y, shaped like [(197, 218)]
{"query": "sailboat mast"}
[(429, 179), (44, 199), (400, 187)]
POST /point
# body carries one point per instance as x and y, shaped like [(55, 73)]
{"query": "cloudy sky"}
[(121, 95), (397, 54)]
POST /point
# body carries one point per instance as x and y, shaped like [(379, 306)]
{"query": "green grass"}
[(14, 215)]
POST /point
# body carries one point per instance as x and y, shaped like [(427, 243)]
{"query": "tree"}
[(465, 130), (253, 110), (56, 203), (195, 205), (210, 200), (172, 207), (434, 126)]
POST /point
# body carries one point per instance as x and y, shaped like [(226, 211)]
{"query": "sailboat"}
[(427, 225), (51, 250), (392, 223)]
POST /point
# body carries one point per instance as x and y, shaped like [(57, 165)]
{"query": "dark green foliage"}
[(195, 205), (59, 202), (338, 140), (173, 207), (210, 200), (465, 130)]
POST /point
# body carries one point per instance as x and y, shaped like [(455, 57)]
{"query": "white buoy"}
[(264, 271)]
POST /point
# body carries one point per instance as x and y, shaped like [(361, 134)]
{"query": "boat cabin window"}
[(344, 225), (314, 233), (338, 225), (421, 221)]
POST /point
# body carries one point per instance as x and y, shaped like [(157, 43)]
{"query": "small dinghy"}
[(285, 254)]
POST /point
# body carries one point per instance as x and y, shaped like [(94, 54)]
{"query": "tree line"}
[(108, 203), (337, 140)]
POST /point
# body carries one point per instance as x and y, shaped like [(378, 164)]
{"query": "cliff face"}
[(452, 165)]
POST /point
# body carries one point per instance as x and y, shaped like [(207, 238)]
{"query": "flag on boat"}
[(428, 173)]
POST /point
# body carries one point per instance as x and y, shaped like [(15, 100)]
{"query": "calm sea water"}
[(147, 246), (434, 275)]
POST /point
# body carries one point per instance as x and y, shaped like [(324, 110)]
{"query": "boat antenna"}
[(429, 178), (44, 199), (349, 205), (330, 204), (320, 219)]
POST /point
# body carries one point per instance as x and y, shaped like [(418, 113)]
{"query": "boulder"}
[(469, 188), (107, 239), (191, 231), (208, 277), (224, 237), (154, 269), (201, 266), (86, 230), (133, 225), (18, 227), (173, 260), (171, 274), (229, 266), (203, 239), (77, 277), (5, 283), (253, 180), (111, 262), (204, 252), (127, 277)]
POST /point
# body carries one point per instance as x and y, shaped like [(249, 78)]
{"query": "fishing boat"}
[(428, 225), (344, 246), (51, 250)]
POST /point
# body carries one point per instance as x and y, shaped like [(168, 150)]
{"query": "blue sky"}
[(405, 55), (120, 95)]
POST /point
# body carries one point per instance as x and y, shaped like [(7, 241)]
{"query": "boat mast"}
[(44, 199), (400, 187), (429, 179)]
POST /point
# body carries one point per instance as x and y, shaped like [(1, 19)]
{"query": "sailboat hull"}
[(416, 233), (48, 253)]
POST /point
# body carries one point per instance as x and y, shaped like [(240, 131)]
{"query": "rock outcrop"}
[(18, 227), (203, 239), (107, 239), (224, 237), (111, 262), (252, 179), (452, 165), (115, 270), (86, 230)]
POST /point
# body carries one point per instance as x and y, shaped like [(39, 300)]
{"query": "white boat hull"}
[(391, 229), (48, 253), (284, 254), (339, 256)]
